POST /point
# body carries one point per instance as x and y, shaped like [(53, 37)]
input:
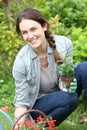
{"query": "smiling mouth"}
[(33, 41)]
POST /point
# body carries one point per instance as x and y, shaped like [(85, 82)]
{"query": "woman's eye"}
[(33, 29), (23, 32)]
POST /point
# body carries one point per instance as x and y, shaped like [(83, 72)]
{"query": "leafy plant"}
[(67, 74), (39, 124), (66, 70)]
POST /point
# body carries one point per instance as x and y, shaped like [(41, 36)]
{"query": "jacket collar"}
[(34, 55)]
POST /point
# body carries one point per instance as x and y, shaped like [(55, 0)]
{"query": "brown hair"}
[(35, 15)]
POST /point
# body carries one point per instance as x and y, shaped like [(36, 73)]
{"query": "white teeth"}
[(33, 40)]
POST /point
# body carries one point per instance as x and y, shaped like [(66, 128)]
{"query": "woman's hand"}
[(71, 89), (73, 86), (18, 112)]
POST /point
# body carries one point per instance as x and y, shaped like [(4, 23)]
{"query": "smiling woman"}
[(35, 70), (33, 33)]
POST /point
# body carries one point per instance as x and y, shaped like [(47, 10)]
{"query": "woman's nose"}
[(30, 35)]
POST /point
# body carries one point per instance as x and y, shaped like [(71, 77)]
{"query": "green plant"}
[(66, 70), (67, 74)]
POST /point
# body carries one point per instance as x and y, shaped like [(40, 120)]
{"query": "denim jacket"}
[(26, 71)]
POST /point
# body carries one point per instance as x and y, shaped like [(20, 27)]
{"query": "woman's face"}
[(32, 32)]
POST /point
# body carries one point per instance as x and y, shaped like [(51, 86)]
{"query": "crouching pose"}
[(35, 69)]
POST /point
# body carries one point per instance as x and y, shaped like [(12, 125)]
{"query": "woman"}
[(35, 69)]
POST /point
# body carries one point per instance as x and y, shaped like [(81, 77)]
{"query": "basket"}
[(27, 112), (66, 81)]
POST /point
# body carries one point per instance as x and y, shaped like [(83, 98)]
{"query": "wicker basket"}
[(66, 81), (25, 113)]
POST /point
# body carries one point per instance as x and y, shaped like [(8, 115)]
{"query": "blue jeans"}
[(81, 76), (58, 104)]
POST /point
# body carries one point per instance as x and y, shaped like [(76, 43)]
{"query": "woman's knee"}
[(81, 68), (73, 100), (69, 99), (80, 72), (76, 100)]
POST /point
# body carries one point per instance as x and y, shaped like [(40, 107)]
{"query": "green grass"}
[(72, 122), (65, 126)]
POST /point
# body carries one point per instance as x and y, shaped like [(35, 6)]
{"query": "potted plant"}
[(67, 74)]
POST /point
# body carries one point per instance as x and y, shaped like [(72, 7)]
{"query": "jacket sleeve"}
[(69, 51), (22, 87)]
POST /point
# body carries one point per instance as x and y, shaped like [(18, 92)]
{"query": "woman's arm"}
[(21, 100), (18, 112), (69, 51)]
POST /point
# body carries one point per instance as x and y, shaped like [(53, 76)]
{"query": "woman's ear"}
[(45, 27)]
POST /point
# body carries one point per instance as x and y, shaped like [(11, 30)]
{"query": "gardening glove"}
[(73, 86)]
